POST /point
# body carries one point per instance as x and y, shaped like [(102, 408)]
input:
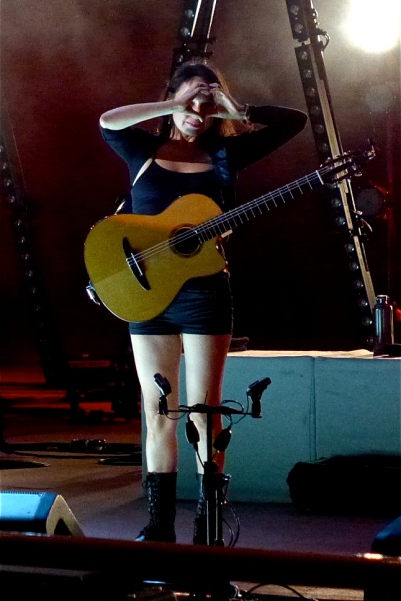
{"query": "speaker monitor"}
[(388, 540), (37, 512)]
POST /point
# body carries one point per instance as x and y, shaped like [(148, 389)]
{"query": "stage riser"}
[(315, 407)]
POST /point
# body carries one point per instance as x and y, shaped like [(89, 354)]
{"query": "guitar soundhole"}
[(185, 242)]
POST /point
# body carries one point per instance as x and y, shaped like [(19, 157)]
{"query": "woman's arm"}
[(131, 114), (281, 125)]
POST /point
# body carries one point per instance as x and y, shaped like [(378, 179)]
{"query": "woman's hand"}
[(212, 100), (226, 106), (196, 93)]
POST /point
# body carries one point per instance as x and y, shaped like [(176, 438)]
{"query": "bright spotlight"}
[(374, 25)]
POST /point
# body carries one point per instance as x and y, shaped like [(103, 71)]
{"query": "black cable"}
[(234, 423), (228, 526), (285, 586), (237, 520), (174, 419)]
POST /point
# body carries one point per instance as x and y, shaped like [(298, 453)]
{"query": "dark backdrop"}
[(64, 63)]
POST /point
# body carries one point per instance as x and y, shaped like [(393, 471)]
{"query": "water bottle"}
[(383, 325)]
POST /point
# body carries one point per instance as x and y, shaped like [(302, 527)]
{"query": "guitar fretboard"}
[(235, 217), (333, 172)]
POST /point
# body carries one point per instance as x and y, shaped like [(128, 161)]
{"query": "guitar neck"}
[(218, 226)]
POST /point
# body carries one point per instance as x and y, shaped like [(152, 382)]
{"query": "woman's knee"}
[(200, 421), (158, 424)]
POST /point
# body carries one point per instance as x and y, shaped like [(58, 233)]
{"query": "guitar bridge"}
[(134, 265)]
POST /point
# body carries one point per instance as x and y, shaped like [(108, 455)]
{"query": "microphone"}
[(255, 392), (164, 386), (162, 383), (191, 432)]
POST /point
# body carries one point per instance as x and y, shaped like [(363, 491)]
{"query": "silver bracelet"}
[(245, 118)]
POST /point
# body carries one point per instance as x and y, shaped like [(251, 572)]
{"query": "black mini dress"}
[(204, 304)]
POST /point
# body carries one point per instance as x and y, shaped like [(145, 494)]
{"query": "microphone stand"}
[(214, 483)]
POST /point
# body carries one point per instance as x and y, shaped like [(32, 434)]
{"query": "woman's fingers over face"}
[(192, 88)]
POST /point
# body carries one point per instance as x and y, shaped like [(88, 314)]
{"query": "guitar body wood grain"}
[(165, 267)]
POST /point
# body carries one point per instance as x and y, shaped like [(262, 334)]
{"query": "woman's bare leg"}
[(159, 354), (205, 359)]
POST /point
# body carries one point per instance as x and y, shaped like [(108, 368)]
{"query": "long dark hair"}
[(186, 72)]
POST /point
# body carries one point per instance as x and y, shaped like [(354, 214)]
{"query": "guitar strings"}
[(218, 221)]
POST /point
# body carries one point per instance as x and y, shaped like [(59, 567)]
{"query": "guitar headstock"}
[(347, 165)]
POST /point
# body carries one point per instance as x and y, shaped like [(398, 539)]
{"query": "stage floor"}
[(107, 500)]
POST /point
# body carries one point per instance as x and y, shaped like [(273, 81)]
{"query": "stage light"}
[(315, 110), (354, 266), (367, 322), (311, 92), (300, 31), (374, 26), (307, 73), (297, 21), (189, 21), (302, 54), (319, 128)]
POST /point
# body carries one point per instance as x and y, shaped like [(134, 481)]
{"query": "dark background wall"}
[(64, 63)]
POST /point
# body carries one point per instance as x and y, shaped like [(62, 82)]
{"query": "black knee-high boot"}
[(161, 495)]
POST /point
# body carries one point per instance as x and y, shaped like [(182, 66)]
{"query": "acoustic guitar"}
[(137, 264)]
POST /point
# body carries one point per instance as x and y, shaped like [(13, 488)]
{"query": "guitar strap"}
[(142, 170), (90, 289)]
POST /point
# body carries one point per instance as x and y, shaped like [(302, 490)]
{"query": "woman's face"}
[(202, 104)]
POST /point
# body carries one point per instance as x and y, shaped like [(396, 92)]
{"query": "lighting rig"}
[(194, 32), (347, 220), (20, 211)]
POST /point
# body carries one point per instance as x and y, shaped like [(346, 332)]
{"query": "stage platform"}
[(319, 404)]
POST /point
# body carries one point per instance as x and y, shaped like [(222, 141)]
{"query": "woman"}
[(196, 151)]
